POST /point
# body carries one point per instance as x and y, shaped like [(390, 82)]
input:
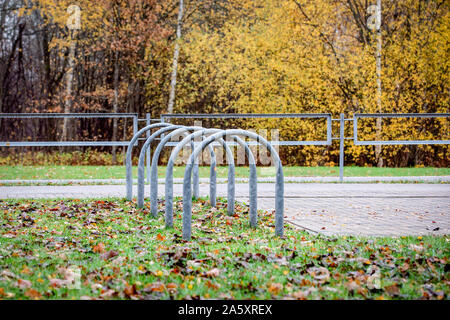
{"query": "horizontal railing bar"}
[(246, 115), (263, 115), (401, 142), (65, 144), (274, 143), (396, 142), (67, 115), (401, 115)]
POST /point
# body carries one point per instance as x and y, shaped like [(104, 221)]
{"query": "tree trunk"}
[(173, 80), (69, 99), (378, 157), (115, 105)]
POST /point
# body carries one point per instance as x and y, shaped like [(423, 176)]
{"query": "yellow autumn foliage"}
[(313, 56)]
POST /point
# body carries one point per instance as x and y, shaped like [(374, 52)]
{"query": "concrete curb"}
[(434, 179)]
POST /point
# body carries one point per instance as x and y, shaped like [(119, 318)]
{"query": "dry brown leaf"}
[(352, 286), (416, 248), (275, 288), (108, 255), (108, 293), (392, 290), (160, 237), (404, 267), (303, 295), (155, 287), (171, 287), (213, 272), (211, 285), (130, 290), (99, 248), (23, 284), (33, 294), (57, 283), (320, 274)]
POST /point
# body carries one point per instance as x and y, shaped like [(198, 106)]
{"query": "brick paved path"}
[(358, 209)]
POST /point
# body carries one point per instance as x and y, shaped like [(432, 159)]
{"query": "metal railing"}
[(395, 115), (327, 116), (357, 142), (166, 118), (134, 116), (330, 136)]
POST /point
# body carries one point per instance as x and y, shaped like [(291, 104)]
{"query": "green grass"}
[(121, 252), (118, 172)]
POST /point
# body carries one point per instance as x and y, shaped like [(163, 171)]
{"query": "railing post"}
[(149, 151), (135, 127), (329, 130), (341, 147)]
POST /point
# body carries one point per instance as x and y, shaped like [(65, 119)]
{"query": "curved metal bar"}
[(128, 163), (231, 179), (279, 188), (154, 168), (212, 178), (253, 182), (153, 199), (196, 174), (141, 163), (171, 163)]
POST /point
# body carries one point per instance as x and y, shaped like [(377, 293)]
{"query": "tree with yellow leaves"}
[(316, 56)]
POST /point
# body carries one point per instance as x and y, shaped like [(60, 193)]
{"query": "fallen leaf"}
[(108, 255), (392, 290), (8, 274), (373, 282), (213, 273), (275, 288), (99, 248), (303, 295), (26, 270), (320, 274), (404, 267), (70, 274), (33, 294), (57, 283), (352, 286), (211, 285), (23, 284), (171, 287), (108, 293), (155, 287), (130, 290), (416, 248), (160, 237)]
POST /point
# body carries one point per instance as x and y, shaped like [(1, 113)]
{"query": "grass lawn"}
[(118, 172), (107, 249)]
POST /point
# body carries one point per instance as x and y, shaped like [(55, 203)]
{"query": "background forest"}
[(235, 56)]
